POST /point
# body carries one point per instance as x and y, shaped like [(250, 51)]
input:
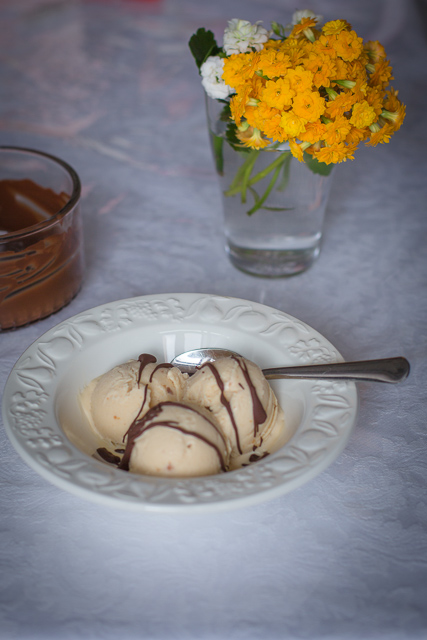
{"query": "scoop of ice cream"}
[(241, 400), (163, 382), (175, 440), (114, 400)]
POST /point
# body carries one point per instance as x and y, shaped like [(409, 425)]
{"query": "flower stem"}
[(286, 171), (240, 182), (244, 180), (267, 192), (262, 174)]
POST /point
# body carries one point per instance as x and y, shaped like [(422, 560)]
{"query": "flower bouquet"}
[(302, 91)]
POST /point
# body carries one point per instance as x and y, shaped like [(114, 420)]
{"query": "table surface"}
[(111, 87)]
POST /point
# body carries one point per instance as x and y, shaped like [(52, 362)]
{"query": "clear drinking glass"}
[(41, 239), (273, 205)]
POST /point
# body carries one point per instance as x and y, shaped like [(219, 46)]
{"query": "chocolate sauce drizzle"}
[(152, 419), (145, 359), (164, 365), (108, 456), (224, 401), (259, 414), (255, 456)]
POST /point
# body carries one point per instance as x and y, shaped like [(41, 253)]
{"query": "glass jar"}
[(41, 239), (273, 205)]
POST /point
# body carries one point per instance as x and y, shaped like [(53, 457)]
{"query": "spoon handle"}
[(386, 370)]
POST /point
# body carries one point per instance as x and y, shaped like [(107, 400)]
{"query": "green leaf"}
[(217, 148), (202, 45), (225, 115), (233, 140), (315, 166)]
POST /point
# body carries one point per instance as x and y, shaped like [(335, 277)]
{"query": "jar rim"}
[(71, 203)]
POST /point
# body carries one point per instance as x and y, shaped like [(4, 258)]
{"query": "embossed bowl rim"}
[(166, 324)]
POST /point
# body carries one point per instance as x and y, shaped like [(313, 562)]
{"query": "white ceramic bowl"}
[(44, 423)]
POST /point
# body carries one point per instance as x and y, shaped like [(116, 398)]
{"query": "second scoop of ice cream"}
[(175, 440), (241, 400)]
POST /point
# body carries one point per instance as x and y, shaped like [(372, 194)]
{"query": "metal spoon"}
[(386, 370)]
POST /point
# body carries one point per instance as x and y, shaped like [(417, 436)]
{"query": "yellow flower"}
[(337, 130), (238, 103), (355, 136), (309, 105), (394, 111), (395, 117), (324, 46), (342, 103), (314, 131), (322, 67), (342, 68), (304, 28), (257, 86), (272, 128), (350, 149), (392, 102), (334, 153), (296, 50), (382, 74), (252, 119), (239, 68), (272, 44), (265, 112), (375, 51), (273, 63), (356, 69), (374, 97), (264, 118), (296, 150), (300, 79), (334, 27), (360, 88), (363, 115), (252, 138), (247, 94), (292, 124), (348, 45), (278, 94), (381, 136)]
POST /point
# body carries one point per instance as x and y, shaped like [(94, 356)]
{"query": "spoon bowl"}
[(391, 370)]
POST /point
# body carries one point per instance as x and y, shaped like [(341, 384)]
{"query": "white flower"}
[(211, 72), (241, 36), (305, 13)]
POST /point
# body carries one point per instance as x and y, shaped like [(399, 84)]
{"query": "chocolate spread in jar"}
[(23, 203), (40, 268)]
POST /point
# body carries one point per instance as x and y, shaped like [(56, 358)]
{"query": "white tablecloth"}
[(112, 88)]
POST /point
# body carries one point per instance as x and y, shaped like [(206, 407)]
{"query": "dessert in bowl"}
[(44, 419), (156, 420)]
